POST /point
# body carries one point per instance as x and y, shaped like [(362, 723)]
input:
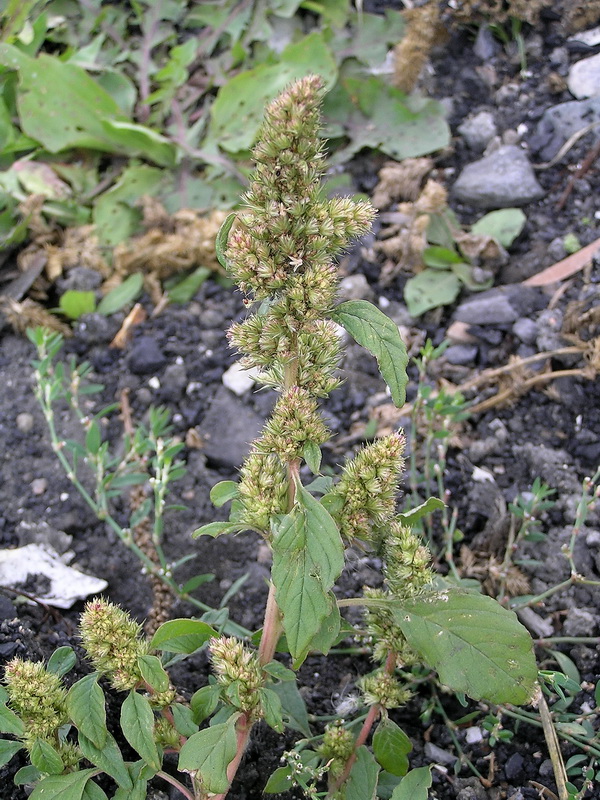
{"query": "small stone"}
[(584, 77), (39, 486), (580, 622), (44, 534), (478, 130), (228, 428), (503, 179), (24, 422), (355, 287), (237, 379), (95, 328), (439, 756), (487, 308), (174, 382), (79, 279), (593, 539), (146, 356), (546, 769), (513, 769), (560, 122), (461, 354), (549, 325), (210, 318), (474, 735), (591, 37), (526, 330), (7, 610), (486, 46)]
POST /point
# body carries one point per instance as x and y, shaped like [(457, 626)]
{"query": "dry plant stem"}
[(370, 720), (553, 749)]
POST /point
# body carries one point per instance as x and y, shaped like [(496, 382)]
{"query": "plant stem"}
[(174, 782), (243, 728)]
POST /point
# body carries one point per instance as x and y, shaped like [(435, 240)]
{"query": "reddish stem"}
[(243, 728)]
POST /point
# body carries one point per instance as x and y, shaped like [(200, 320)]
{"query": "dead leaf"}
[(136, 316), (565, 268)]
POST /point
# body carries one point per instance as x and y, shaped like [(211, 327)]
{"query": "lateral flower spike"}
[(38, 697), (113, 641)]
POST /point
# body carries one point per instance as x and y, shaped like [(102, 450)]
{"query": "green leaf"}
[(74, 303), (440, 257), (122, 295), (414, 515), (45, 758), (137, 724), (204, 702), (182, 636), (183, 719), (215, 529), (116, 212), (391, 747), (279, 781), (62, 660), (93, 792), (221, 240), (153, 673), (209, 752), (276, 670), (308, 556), (63, 787), (379, 335), (196, 581), (566, 665), (25, 775), (312, 456), (85, 705), (10, 723), (108, 758), (372, 114), (362, 781), (414, 785), (8, 750), (430, 289), (237, 113), (271, 706), (504, 225), (223, 492), (93, 438), (476, 645), (293, 706), (184, 290)]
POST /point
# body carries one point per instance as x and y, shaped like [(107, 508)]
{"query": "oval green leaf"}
[(182, 636), (376, 332), (122, 295)]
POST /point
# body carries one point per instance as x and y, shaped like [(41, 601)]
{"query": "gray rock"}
[(355, 287), (461, 354), (560, 122), (471, 789), (478, 130), (438, 755), (42, 533), (584, 77), (146, 356), (174, 382), (513, 769), (95, 328), (503, 179), (526, 330), (79, 279), (559, 58), (549, 325), (580, 622), (228, 428), (486, 46), (488, 308)]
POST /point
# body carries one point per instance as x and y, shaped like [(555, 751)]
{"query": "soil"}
[(551, 432)]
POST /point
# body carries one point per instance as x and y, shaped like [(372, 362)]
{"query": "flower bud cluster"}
[(337, 747), (239, 672), (385, 634), (368, 486), (262, 490), (38, 697), (284, 242), (384, 689), (294, 423), (113, 641), (165, 734), (407, 561)]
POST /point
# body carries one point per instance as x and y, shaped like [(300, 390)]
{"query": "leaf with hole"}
[(430, 289), (477, 646)]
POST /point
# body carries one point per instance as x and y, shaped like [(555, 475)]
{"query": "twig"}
[(558, 765), (586, 164)]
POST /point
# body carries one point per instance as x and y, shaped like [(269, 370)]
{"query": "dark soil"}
[(552, 433)]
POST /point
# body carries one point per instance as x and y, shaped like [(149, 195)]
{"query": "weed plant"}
[(280, 250)]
